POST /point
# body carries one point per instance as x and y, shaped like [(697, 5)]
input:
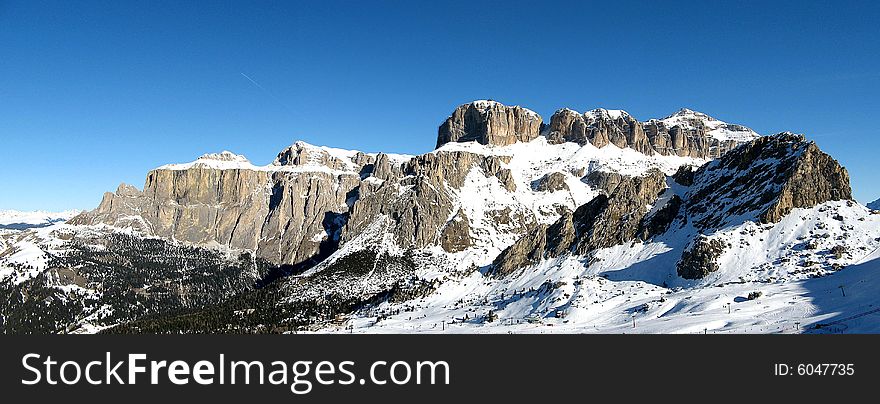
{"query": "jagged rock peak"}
[(764, 180), (720, 130), (304, 154), (687, 112), (491, 123), (599, 127), (685, 133), (127, 190)]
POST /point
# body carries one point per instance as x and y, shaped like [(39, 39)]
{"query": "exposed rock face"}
[(567, 125), (695, 134), (304, 154), (456, 236), (605, 181), (605, 221), (769, 176), (684, 175), (490, 123), (288, 214), (701, 259), (814, 178), (418, 205), (659, 222), (685, 133), (599, 127), (619, 218), (551, 182)]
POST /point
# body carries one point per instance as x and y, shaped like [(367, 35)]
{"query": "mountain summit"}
[(685, 133)]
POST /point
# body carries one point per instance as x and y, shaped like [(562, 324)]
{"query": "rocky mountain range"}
[(510, 224), (875, 205)]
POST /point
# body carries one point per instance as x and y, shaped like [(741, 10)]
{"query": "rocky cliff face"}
[(489, 123), (599, 127), (685, 133), (695, 134), (289, 213), (417, 206)]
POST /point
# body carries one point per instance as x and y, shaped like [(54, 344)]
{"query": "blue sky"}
[(97, 93)]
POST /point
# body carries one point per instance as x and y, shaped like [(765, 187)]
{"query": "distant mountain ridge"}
[(19, 220)]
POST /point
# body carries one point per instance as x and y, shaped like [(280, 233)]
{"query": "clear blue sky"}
[(96, 93)]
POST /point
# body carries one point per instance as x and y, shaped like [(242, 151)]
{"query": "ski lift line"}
[(853, 317)]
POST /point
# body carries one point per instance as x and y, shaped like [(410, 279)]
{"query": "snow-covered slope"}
[(788, 269), (24, 252)]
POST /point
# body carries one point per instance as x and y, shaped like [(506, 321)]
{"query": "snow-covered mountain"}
[(18, 220), (585, 224)]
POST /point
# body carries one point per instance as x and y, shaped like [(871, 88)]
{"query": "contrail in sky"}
[(255, 83), (269, 93)]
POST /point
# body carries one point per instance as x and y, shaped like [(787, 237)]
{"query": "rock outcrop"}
[(490, 123), (456, 235), (417, 208), (686, 133), (604, 180), (598, 127), (605, 221), (764, 180), (695, 134), (701, 258), (550, 182)]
